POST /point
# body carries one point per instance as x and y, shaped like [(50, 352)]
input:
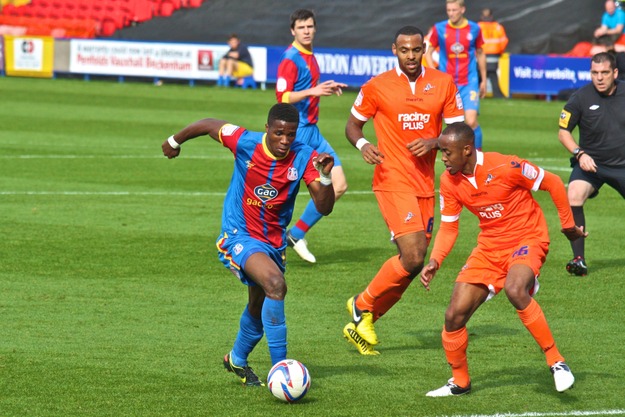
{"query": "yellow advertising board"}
[(29, 56)]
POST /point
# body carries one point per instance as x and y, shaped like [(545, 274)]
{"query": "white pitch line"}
[(116, 193), (137, 193), (547, 414)]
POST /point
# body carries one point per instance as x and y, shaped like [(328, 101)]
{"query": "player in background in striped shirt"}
[(298, 84), (460, 54)]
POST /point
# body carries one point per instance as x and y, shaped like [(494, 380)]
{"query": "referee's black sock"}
[(580, 220)]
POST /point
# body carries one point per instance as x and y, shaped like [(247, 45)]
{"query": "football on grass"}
[(288, 380)]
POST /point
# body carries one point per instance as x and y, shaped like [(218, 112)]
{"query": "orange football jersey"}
[(402, 112), (499, 194)]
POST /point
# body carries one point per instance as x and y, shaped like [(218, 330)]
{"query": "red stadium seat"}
[(9, 10), (167, 8)]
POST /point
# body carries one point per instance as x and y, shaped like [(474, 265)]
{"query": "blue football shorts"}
[(235, 250), (470, 95)]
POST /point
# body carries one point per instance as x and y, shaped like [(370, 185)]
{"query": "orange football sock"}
[(390, 276), (388, 300), (455, 344), (534, 320)]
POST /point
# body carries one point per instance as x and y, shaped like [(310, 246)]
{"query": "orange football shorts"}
[(490, 266), (406, 213)]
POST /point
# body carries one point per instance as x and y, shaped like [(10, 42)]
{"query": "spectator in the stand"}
[(605, 44), (236, 63), (612, 21), (495, 43)]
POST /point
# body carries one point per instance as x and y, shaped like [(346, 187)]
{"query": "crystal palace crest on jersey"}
[(292, 174)]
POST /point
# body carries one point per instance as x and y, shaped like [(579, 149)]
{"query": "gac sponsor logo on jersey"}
[(265, 192), (457, 48), (492, 211), (413, 121)]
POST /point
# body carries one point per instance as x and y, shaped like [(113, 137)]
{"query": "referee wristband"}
[(579, 155), (360, 143), (172, 142)]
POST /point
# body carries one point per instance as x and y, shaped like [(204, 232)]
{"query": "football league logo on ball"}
[(288, 380)]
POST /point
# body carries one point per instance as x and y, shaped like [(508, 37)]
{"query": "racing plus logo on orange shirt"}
[(490, 212), (413, 121)]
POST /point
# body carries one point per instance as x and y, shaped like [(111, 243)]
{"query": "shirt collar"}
[(399, 72), (268, 152), (301, 48)]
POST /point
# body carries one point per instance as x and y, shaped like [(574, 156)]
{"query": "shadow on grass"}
[(537, 375), (597, 265), (345, 255)]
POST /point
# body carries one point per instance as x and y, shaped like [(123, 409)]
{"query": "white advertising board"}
[(155, 59)]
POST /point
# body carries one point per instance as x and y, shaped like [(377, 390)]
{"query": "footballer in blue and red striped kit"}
[(268, 170), (298, 84), (460, 55), (263, 188), (299, 71)]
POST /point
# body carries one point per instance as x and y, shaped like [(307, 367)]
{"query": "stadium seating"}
[(82, 18)]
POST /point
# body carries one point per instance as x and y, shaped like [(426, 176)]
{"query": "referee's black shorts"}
[(613, 176)]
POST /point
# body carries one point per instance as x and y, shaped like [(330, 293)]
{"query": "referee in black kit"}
[(599, 110)]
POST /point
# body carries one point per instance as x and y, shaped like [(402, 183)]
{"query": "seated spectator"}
[(605, 44), (612, 22), (236, 63)]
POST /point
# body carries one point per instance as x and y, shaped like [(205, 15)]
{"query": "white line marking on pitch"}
[(547, 414), (136, 193)]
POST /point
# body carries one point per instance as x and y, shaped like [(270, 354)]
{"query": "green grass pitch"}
[(113, 301)]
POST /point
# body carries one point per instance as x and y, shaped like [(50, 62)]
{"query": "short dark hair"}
[(302, 14), (233, 36), (605, 40), (283, 111), (409, 31), (605, 57), (461, 131)]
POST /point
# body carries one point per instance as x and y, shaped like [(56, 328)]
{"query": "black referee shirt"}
[(601, 121)]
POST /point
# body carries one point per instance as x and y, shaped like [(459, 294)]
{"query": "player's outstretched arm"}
[(171, 147), (555, 187)]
